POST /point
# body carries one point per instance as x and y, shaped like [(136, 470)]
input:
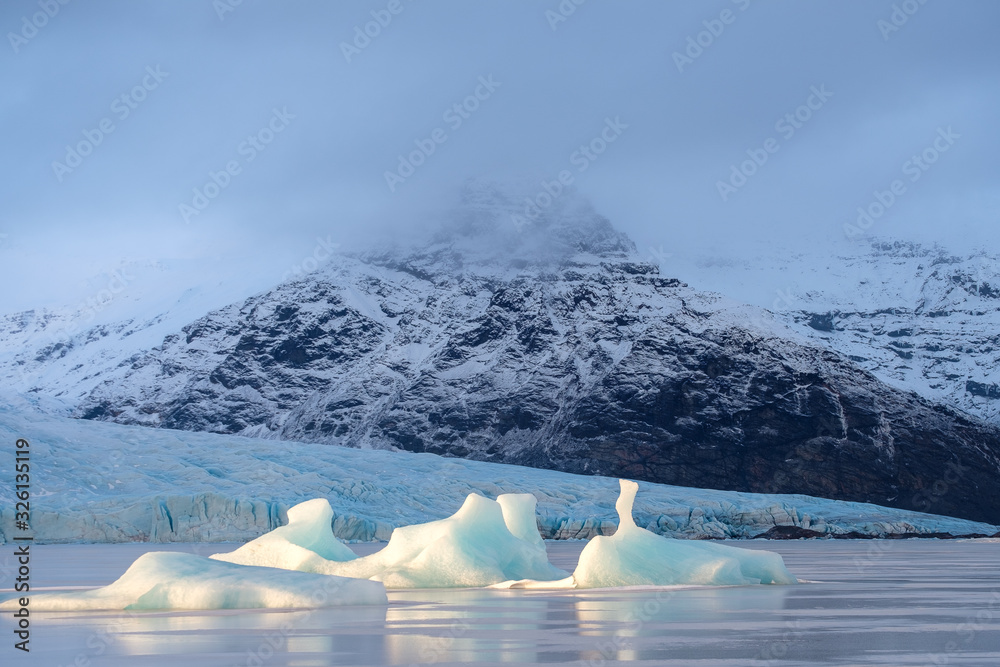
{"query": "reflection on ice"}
[(908, 604)]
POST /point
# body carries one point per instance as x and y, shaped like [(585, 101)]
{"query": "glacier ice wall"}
[(100, 482)]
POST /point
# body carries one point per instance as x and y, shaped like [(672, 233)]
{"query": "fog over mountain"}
[(224, 70)]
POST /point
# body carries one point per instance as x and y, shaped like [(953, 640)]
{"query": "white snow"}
[(920, 318), (54, 356), (169, 580)]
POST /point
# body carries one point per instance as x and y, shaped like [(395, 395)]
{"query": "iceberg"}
[(483, 543), (169, 580), (634, 556), (306, 543)]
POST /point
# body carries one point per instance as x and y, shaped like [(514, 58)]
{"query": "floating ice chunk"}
[(485, 542), (473, 547), (306, 543), (170, 580), (519, 515), (634, 556)]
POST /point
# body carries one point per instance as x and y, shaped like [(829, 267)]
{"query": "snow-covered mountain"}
[(55, 356), (918, 317), (549, 343)]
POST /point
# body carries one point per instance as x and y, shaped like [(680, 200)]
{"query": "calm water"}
[(895, 603)]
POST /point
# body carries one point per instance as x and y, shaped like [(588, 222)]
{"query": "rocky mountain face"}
[(554, 345), (920, 318), (939, 334)]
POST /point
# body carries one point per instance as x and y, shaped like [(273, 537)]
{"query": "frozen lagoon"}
[(893, 602)]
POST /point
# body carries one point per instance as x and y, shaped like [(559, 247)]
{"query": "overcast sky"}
[(200, 77)]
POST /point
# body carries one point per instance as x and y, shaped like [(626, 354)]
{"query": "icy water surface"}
[(897, 603)]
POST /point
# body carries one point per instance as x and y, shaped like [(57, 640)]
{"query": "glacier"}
[(104, 482)]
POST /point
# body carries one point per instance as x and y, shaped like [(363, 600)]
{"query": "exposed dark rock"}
[(821, 321), (983, 389), (789, 533)]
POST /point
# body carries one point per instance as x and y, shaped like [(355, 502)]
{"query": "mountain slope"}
[(918, 317), (555, 346), (941, 340)]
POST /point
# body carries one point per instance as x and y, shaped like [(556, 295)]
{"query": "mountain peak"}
[(532, 219)]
